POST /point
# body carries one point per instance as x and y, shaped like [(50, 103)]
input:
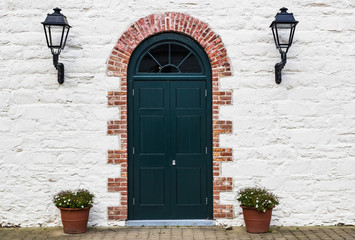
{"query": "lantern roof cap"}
[(56, 18), (284, 17)]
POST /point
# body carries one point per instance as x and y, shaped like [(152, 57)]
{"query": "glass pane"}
[(55, 35), (169, 69), (181, 60), (284, 25), (148, 65), (283, 34), (190, 65), (65, 36), (161, 54), (178, 53)]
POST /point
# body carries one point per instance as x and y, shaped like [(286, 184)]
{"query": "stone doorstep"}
[(180, 222)]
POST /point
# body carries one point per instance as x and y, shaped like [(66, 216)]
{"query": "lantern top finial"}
[(57, 10), (56, 18), (283, 9)]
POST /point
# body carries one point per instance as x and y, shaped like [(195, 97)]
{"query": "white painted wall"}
[(296, 138)]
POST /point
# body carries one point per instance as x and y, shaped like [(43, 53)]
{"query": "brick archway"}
[(117, 66)]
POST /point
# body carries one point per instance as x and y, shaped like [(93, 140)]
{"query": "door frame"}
[(206, 75)]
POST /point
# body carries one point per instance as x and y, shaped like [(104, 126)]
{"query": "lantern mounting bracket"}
[(60, 68), (279, 66)]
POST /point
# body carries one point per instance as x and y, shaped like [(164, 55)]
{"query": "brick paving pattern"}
[(177, 233)]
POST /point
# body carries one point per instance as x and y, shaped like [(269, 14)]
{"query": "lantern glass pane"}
[(284, 25), (65, 36), (283, 36), (55, 36), (46, 31)]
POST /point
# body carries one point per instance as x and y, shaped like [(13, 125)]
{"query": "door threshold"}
[(175, 222)]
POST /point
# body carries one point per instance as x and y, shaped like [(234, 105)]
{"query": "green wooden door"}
[(169, 137), (188, 149), (151, 150)]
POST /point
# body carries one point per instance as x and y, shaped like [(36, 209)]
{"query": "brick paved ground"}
[(185, 233)]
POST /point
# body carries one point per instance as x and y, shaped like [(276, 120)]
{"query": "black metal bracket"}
[(279, 66), (60, 68)]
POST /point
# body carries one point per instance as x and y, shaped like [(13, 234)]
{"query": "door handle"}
[(173, 163)]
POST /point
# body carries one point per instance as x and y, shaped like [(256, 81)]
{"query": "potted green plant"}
[(74, 208), (257, 204)]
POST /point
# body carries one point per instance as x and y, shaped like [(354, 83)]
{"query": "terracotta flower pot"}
[(255, 221), (75, 220)]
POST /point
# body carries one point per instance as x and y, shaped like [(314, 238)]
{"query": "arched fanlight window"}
[(169, 58)]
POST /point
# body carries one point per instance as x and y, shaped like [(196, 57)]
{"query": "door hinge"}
[(133, 91), (133, 150), (134, 201), (206, 200), (205, 92), (206, 150)]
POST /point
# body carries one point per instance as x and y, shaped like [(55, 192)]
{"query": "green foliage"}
[(74, 199), (258, 198)]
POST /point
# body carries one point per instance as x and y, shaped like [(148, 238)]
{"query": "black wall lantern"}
[(283, 29), (56, 29)]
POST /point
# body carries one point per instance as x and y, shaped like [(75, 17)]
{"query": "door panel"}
[(170, 125), (146, 101), (152, 134), (188, 134), (188, 97), (152, 186), (188, 189)]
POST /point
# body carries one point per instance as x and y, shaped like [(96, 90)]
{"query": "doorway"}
[(169, 130)]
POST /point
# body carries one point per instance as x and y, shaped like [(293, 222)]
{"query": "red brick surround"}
[(117, 66)]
